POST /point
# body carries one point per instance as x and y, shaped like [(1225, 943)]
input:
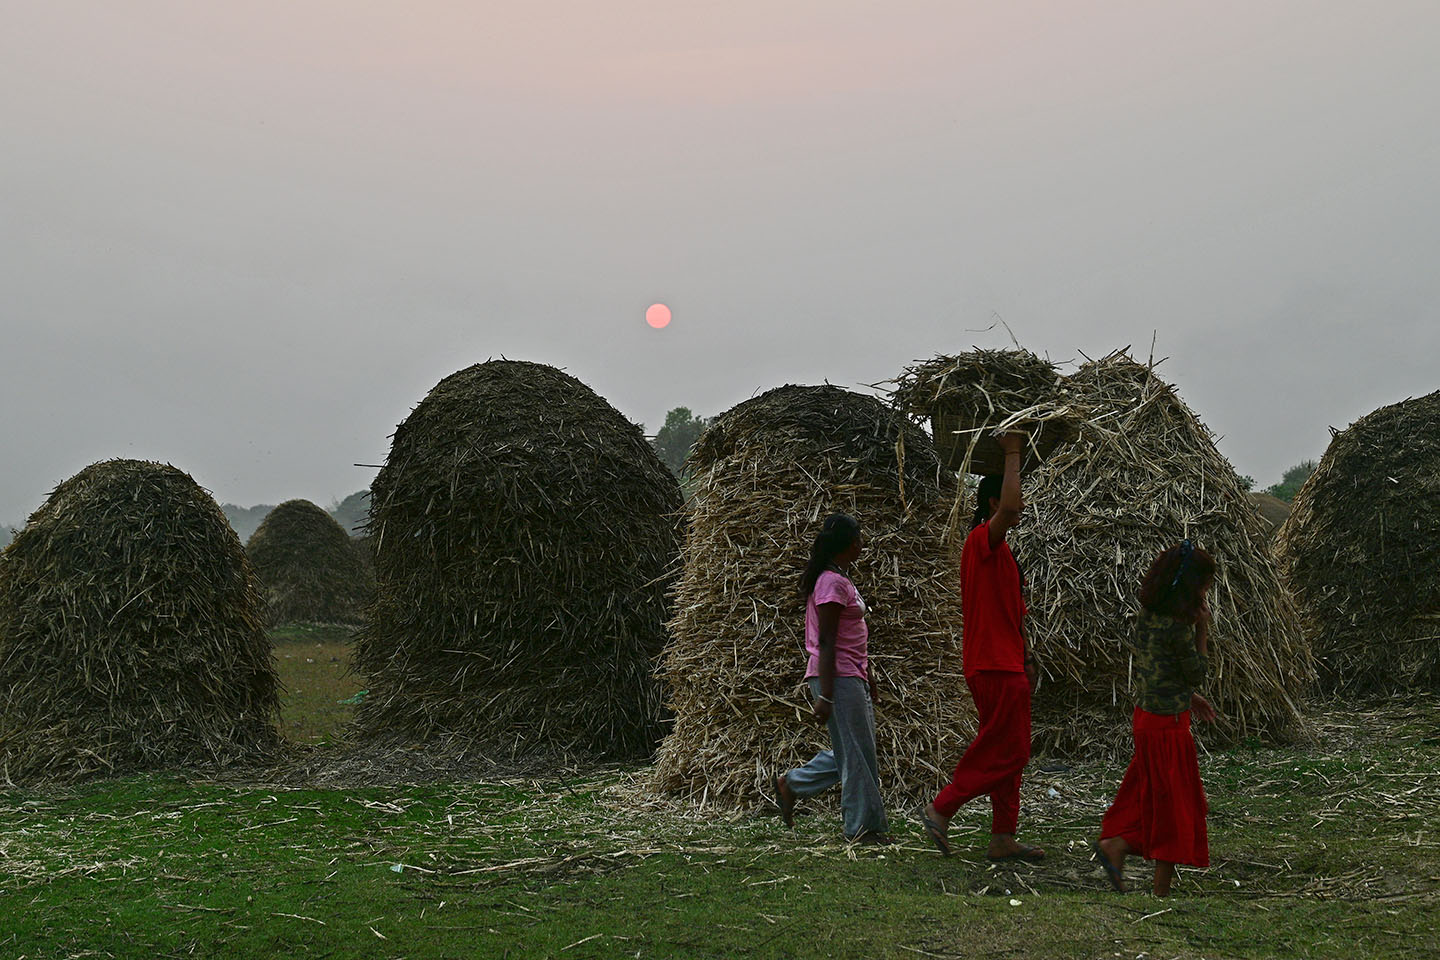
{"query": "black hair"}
[(837, 533), (1175, 584), (991, 486)]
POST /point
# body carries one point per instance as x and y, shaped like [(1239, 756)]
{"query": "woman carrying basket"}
[(998, 670)]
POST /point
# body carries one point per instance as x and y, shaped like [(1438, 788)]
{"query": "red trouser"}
[(998, 753), (1160, 809)]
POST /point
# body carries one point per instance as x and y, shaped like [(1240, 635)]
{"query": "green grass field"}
[(1328, 851)]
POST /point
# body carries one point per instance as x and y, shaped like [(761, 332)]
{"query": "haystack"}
[(767, 473), (1273, 511), (308, 568), (970, 397), (525, 535), (1143, 474), (130, 634), (1362, 551)]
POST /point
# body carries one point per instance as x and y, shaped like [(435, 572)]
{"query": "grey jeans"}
[(850, 762)]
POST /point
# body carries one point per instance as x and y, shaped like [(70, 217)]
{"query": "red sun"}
[(658, 315)]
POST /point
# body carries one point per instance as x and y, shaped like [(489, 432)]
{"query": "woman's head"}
[(837, 543), (1176, 582), (987, 497)]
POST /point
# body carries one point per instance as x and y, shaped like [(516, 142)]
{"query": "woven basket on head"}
[(970, 397)]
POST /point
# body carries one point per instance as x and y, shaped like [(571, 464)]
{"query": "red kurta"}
[(994, 651)]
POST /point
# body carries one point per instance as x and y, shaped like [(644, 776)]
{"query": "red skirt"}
[(1160, 809)]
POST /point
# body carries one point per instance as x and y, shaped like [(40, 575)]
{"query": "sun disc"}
[(658, 315)]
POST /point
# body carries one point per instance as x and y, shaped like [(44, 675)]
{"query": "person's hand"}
[(1031, 673), (1011, 441), (822, 711), (874, 690), (1200, 705)]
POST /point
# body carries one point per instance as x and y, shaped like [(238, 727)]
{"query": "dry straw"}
[(1144, 474), (970, 397), (767, 473), (309, 569), (130, 635), (1273, 511), (1362, 551), (524, 532)]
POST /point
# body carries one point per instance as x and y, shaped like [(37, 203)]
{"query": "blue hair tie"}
[(1187, 550)]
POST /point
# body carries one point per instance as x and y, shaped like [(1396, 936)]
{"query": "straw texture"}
[(524, 537), (1362, 551), (308, 568), (1144, 474), (130, 635), (970, 397), (767, 472)]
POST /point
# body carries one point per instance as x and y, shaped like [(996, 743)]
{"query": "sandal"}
[(1117, 879), (935, 832)]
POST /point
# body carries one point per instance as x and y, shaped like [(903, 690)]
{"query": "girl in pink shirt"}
[(838, 673)]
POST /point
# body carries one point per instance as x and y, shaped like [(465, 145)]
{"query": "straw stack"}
[(524, 535), (130, 635), (308, 568), (1144, 474), (1273, 511), (1362, 551), (767, 473), (970, 397)]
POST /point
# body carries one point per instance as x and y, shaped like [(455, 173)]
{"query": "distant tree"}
[(674, 440), (353, 512), (1292, 480), (1247, 482), (245, 520)]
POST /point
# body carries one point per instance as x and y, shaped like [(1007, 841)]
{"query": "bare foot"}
[(1164, 875), (785, 799), (1004, 846)]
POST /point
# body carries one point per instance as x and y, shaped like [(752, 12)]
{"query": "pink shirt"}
[(851, 635)]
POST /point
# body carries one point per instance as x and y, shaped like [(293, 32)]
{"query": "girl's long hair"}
[(1175, 584), (836, 535)]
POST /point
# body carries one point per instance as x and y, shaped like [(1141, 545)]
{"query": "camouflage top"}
[(1168, 668)]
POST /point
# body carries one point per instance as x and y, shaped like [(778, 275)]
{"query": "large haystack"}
[(525, 534), (130, 635), (1144, 473), (309, 570), (1362, 551), (767, 473)]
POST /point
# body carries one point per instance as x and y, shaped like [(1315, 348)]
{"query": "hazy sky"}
[(247, 238)]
